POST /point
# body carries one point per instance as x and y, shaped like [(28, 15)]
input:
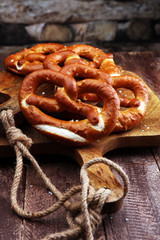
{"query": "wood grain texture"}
[(63, 171), (146, 65), (140, 215), (11, 226), (76, 11)]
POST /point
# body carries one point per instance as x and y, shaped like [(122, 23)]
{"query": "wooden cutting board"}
[(147, 133)]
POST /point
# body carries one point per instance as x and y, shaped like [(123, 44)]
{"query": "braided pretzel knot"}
[(31, 59), (90, 54), (79, 70), (55, 60), (82, 54), (82, 72), (132, 116), (78, 132), (96, 58)]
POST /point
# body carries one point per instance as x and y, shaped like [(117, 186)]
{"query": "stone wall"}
[(115, 25)]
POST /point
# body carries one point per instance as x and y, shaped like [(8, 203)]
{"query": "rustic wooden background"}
[(124, 25)]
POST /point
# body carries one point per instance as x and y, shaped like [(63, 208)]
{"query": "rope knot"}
[(96, 199), (14, 134), (80, 221)]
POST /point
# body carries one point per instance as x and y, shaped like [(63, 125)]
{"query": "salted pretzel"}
[(74, 132), (47, 48), (55, 60), (136, 108), (79, 70), (134, 112), (30, 59), (95, 57), (91, 55), (82, 72), (32, 81), (64, 57)]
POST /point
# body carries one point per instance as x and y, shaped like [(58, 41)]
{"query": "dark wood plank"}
[(76, 11), (140, 216), (64, 173), (156, 154), (11, 226), (145, 64)]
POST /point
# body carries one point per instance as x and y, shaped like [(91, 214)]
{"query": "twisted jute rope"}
[(84, 216)]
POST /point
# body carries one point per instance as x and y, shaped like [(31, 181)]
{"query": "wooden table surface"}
[(139, 217)]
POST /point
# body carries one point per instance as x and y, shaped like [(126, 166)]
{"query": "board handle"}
[(101, 176)]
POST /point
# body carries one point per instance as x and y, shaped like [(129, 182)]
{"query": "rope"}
[(84, 216)]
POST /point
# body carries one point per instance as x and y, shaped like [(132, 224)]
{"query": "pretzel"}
[(133, 115), (96, 58), (55, 60), (30, 59), (91, 56), (32, 81), (78, 132), (110, 100), (47, 48), (64, 57), (82, 71), (21, 63)]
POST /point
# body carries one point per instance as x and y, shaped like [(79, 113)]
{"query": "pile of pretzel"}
[(85, 104)]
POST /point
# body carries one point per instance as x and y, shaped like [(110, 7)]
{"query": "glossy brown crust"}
[(105, 93), (82, 72), (35, 79), (83, 128), (47, 48), (11, 61), (34, 58), (110, 67), (134, 114), (94, 56), (30, 59), (55, 60)]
